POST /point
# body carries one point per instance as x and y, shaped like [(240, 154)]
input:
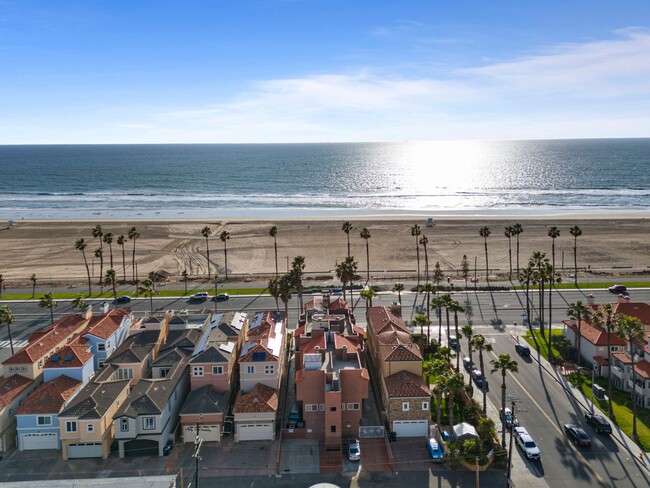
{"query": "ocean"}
[(486, 178)]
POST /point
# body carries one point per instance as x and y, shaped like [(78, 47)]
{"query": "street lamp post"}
[(593, 371)]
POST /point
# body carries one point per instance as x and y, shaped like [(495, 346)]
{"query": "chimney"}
[(104, 308), (623, 298), (591, 300)]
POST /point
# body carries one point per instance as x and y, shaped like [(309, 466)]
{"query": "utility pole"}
[(476, 460), (197, 448)]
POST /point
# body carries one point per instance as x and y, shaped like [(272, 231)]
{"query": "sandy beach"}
[(46, 248)]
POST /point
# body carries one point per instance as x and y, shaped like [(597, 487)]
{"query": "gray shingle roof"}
[(204, 400), (94, 399)]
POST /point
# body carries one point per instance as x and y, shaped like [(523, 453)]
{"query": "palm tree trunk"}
[(480, 361), (417, 253), (225, 258), (575, 261), (487, 264), (135, 279), (610, 409), (517, 254), (510, 257), (439, 325), (448, 324), (90, 292), (367, 262), (439, 409), (450, 405), (151, 300), (52, 313), (275, 246), (503, 406), (530, 327), (124, 264), (207, 251), (579, 337), (635, 436), (458, 338)]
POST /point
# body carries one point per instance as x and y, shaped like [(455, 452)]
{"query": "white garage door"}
[(255, 432), (82, 450), (209, 433), (43, 440), (410, 428)]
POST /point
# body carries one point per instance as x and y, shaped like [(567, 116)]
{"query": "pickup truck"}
[(526, 443)]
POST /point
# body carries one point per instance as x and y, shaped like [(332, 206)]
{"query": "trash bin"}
[(168, 448), (392, 436)]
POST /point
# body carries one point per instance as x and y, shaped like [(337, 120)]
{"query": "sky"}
[(278, 71)]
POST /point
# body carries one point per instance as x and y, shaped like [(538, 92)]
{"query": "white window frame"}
[(124, 425), (90, 428), (101, 346), (46, 420), (125, 374), (321, 407), (311, 407), (217, 370), (406, 406), (71, 426), (149, 423), (425, 406), (197, 371), (353, 406), (342, 407), (250, 369), (269, 369)]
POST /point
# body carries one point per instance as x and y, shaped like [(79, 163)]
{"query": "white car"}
[(200, 296), (527, 444)]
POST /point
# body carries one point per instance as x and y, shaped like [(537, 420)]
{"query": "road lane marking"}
[(560, 431)]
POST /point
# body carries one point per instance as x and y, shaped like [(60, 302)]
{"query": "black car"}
[(468, 364), (522, 349), (221, 297), (617, 289), (479, 378), (599, 423), (577, 435), (123, 299)]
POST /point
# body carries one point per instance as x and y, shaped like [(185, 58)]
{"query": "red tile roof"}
[(401, 352), (261, 399), (257, 347), (78, 356), (640, 310), (406, 384), (11, 387), (594, 334), (104, 326), (601, 360), (310, 347), (642, 368), (50, 397), (622, 357), (340, 341), (381, 319), (338, 304), (50, 338), (394, 337)]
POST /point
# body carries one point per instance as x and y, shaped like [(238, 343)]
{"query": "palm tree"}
[(434, 367), (146, 288), (447, 304), (504, 363), (455, 307), (468, 333), (296, 273), (517, 229), (428, 289), (47, 301), (108, 239), (399, 288), (99, 234), (415, 232), (464, 267), (207, 232), (284, 288), (6, 317), (424, 241), (99, 253), (215, 279), (185, 277), (274, 290), (579, 312), (78, 302), (439, 387), (539, 261), (553, 233), (437, 304), (120, 242), (224, 236), (576, 232), (368, 294), (485, 232), (631, 330), (133, 236), (454, 383), (273, 232), (480, 344), (509, 232), (32, 278), (365, 234), (422, 320), (606, 319), (345, 272), (525, 277), (81, 246), (347, 228), (111, 280)]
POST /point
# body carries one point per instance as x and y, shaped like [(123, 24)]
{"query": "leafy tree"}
[(146, 288), (273, 232), (207, 232), (121, 240), (347, 228), (111, 280), (504, 364), (509, 232), (631, 330), (6, 317), (108, 239), (576, 232), (517, 230), (79, 302), (464, 267), (578, 312), (81, 246), (224, 236), (485, 232), (134, 235), (399, 288), (365, 234), (99, 234), (481, 345), (47, 301), (415, 232), (368, 294), (32, 278)]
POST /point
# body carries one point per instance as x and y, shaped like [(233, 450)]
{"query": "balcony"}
[(618, 372)]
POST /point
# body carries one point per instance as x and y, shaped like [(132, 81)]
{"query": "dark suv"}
[(599, 423), (522, 349)]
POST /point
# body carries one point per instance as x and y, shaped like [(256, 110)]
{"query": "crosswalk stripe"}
[(17, 344)]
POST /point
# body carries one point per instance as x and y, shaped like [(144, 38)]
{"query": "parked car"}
[(508, 418), (577, 435), (599, 423), (453, 343), (122, 299), (354, 450), (617, 288), (221, 297), (468, 364), (522, 349), (200, 296), (435, 449), (527, 444), (479, 378)]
